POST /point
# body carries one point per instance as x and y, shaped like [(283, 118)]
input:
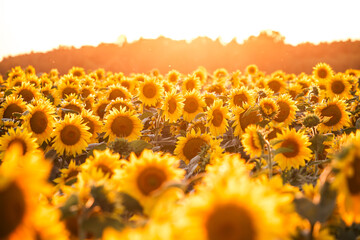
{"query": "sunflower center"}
[(172, 104), (209, 101), (149, 90), (193, 147), (73, 107), (38, 122), (67, 91), (333, 112), (12, 209), (126, 85), (85, 92), (268, 109), (105, 169), (115, 93), (337, 87), (284, 111), (251, 118), (173, 78), (322, 73), (12, 108), (21, 143), (70, 135), (354, 181), (190, 85), (239, 99), (293, 147), (72, 173), (230, 222), (90, 124), (122, 126), (217, 117), (27, 95), (101, 110), (150, 179), (275, 85), (191, 105)]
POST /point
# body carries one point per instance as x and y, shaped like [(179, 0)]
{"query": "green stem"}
[(269, 158)]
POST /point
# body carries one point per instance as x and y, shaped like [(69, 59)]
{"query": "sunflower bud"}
[(311, 120)]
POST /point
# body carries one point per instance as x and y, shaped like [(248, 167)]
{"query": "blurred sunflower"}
[(276, 84), (118, 91), (71, 103), (189, 146), (173, 77), (338, 86), (334, 115), (209, 98), (128, 83), (68, 175), (239, 96), (287, 110), (251, 69), (197, 125), (268, 108), (150, 92), (220, 73), (193, 105), (296, 152), (120, 102), (93, 122), (12, 104), (77, 72), (173, 106), (40, 120), (66, 88), (322, 72), (122, 124), (30, 70), (71, 135), (201, 73), (244, 117), (99, 108), (252, 141), (86, 91), (191, 82), (217, 88), (217, 118), (146, 175), (105, 162)]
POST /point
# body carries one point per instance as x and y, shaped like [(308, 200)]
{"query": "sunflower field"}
[(221, 155)]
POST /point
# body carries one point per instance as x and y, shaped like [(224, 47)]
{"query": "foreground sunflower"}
[(193, 105), (335, 114), (217, 118), (105, 162), (147, 174), (71, 135), (189, 146), (296, 145), (173, 106), (12, 105), (150, 92), (122, 124)]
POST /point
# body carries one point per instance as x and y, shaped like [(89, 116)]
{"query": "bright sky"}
[(42, 25)]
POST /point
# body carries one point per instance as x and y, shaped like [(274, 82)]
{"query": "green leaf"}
[(70, 206), (130, 204), (282, 150), (146, 114), (327, 202), (95, 146), (99, 195), (307, 209), (139, 145), (97, 224), (67, 110), (9, 92), (274, 142)]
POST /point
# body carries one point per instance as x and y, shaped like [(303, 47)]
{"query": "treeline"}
[(267, 50)]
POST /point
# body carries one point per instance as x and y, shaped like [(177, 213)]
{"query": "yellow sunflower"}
[(66, 88), (244, 117), (74, 104), (334, 115), (71, 135), (347, 179), (128, 83), (30, 70), (120, 102), (86, 91), (276, 84), (201, 73), (18, 136), (209, 98), (251, 69), (322, 72), (12, 104), (198, 125), (93, 122), (239, 96), (217, 88), (268, 108), (220, 73), (150, 92), (190, 83), (68, 175), (217, 118), (287, 110), (173, 77), (251, 140), (118, 91), (294, 90), (297, 151), (146, 175), (173, 106), (122, 124), (193, 105), (189, 146), (338, 86), (99, 108), (105, 162), (40, 120), (77, 72)]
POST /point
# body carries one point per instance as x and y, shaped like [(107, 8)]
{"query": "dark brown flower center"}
[(90, 124), (354, 181), (27, 95), (12, 108), (38, 122), (192, 147), (122, 126), (101, 110), (172, 104), (150, 179), (248, 119), (322, 73), (191, 105), (275, 85), (105, 169), (217, 118), (190, 85), (284, 111), (70, 135), (334, 112), (67, 91), (337, 87), (240, 99), (149, 90), (115, 93), (293, 147)]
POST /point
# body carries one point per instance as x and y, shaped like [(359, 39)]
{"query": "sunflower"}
[(189, 146), (338, 86), (66, 88), (40, 120), (168, 87), (173, 77), (217, 88), (193, 105), (71, 135), (220, 73), (93, 122), (294, 90), (276, 84), (105, 162), (347, 179), (120, 102), (100, 107), (15, 77), (201, 73), (190, 83), (19, 136), (217, 118), (287, 110), (71, 103), (68, 175), (209, 98), (237, 80), (251, 140), (150, 92), (77, 72), (146, 175), (297, 151), (12, 104), (244, 117), (173, 106), (86, 91), (268, 108), (239, 96), (197, 125), (118, 91), (322, 72), (334, 115), (26, 91), (30, 70), (122, 124), (251, 70)]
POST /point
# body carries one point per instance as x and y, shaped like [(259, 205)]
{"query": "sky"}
[(42, 25)]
